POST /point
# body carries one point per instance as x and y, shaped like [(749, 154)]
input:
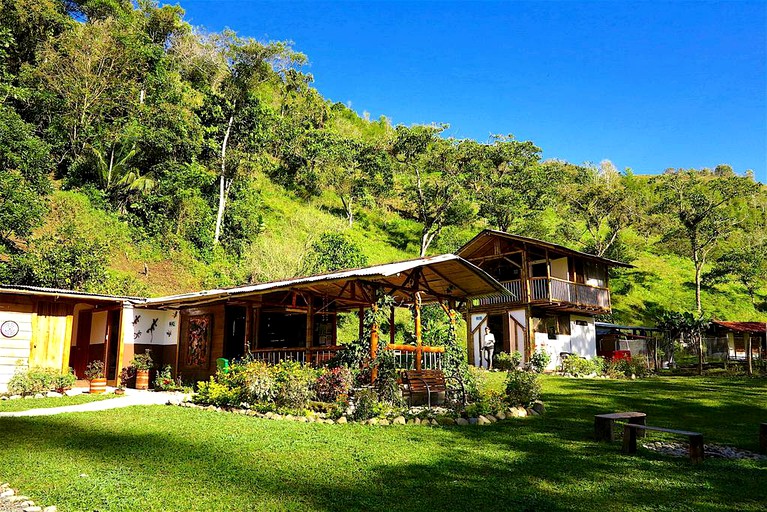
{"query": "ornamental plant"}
[(522, 388), (142, 362), (95, 370), (332, 384)]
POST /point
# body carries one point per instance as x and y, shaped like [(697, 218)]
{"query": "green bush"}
[(366, 404), (490, 401), (634, 366), (260, 385), (580, 367), (218, 394), (539, 361), (39, 380), (505, 362), (522, 388), (164, 380), (294, 384)]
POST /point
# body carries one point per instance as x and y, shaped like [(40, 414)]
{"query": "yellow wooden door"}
[(51, 335)]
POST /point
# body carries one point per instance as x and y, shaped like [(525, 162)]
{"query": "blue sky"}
[(648, 85)]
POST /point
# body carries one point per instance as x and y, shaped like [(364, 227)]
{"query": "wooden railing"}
[(315, 356), (544, 289), (404, 355)]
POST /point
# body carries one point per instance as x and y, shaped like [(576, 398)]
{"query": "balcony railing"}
[(546, 290)]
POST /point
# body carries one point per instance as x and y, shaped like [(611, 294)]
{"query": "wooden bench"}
[(421, 386), (604, 424), (695, 439)]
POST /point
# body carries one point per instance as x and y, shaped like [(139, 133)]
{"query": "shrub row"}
[(581, 367), (40, 380)]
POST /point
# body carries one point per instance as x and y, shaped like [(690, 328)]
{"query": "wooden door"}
[(51, 335), (78, 359), (478, 324)]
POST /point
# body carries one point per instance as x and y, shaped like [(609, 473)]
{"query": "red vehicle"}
[(613, 347)]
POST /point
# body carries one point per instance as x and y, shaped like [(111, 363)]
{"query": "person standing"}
[(488, 347)]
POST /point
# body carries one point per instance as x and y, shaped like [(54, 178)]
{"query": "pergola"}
[(446, 279)]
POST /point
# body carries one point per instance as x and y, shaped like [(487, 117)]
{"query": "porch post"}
[(374, 344), (309, 332), (418, 338), (361, 314), (391, 326), (749, 355)]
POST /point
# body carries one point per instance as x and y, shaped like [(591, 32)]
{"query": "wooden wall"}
[(216, 343), (13, 350)]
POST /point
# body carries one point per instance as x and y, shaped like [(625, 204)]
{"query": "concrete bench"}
[(695, 439), (604, 424)]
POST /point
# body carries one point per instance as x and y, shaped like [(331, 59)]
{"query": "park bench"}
[(695, 439), (420, 386), (604, 424)]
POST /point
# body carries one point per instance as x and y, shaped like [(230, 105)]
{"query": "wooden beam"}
[(374, 345), (392, 334), (418, 337)]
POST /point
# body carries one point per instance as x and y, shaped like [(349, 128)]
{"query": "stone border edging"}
[(488, 419), (9, 498)]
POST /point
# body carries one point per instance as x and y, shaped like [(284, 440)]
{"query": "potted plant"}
[(126, 374), (142, 363), (94, 372)]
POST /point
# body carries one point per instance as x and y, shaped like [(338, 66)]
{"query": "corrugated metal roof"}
[(480, 284), (541, 243), (60, 292), (755, 327)]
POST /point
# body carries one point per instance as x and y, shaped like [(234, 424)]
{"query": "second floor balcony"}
[(553, 291)]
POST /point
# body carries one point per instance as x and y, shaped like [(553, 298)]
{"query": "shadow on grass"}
[(197, 460)]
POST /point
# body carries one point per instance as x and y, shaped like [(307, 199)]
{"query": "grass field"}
[(43, 403), (165, 458)]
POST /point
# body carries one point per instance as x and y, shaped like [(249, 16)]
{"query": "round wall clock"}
[(9, 329)]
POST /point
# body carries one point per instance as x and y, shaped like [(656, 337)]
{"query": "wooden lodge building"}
[(534, 295), (554, 295)]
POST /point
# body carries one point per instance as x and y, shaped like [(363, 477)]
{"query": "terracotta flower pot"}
[(98, 386), (142, 379)]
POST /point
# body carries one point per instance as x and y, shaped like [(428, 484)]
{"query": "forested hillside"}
[(141, 156)]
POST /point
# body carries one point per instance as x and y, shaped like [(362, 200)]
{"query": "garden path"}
[(132, 397)]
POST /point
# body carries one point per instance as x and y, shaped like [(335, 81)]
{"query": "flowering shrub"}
[(333, 383), (164, 380)]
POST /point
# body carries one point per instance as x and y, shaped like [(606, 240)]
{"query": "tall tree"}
[(707, 208), (435, 179), (511, 187), (247, 64), (24, 183)]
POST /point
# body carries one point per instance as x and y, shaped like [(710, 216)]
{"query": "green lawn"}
[(168, 458), (43, 403)]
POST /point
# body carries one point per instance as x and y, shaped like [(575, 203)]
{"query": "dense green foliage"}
[(159, 458), (170, 159)]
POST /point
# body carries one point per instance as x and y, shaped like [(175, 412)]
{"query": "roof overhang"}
[(485, 235), (437, 278), (58, 294)]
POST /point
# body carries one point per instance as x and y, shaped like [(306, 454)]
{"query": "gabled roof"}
[(55, 293), (487, 234), (751, 327), (444, 276)]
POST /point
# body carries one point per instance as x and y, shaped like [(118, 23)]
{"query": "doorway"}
[(113, 344), (234, 332), (78, 357)]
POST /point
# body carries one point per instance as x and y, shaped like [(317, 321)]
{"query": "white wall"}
[(139, 331), (14, 350), (583, 338), (553, 347)]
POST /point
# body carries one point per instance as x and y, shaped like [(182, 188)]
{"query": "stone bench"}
[(604, 424), (695, 439)]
